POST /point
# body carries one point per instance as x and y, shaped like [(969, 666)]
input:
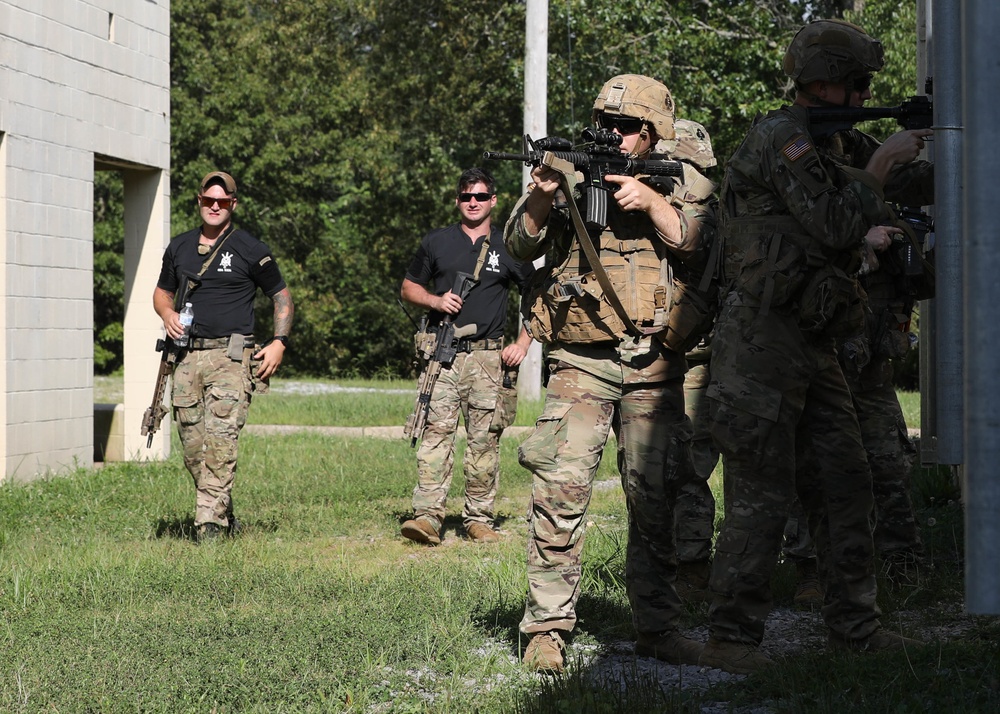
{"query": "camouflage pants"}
[(470, 387), (211, 398), (563, 454), (890, 457), (694, 513), (778, 394)]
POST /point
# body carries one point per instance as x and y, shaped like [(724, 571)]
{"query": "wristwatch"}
[(283, 339)]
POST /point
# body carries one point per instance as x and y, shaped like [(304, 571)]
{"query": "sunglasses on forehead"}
[(624, 125), (225, 203), (482, 197)]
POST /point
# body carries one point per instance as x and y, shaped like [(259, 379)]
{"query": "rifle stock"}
[(439, 357)]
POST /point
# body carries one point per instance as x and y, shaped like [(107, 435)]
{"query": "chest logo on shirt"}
[(493, 262), (226, 263)]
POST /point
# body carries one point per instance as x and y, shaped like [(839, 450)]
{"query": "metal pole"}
[(981, 93), (947, 153), (536, 59)]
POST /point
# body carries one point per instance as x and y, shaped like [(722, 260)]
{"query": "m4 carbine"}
[(437, 356), (170, 355), (599, 155), (914, 113)]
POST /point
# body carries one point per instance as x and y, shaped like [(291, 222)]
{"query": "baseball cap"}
[(227, 181)]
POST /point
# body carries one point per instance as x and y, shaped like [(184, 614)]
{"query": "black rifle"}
[(908, 254), (914, 113), (170, 355), (436, 357), (598, 156)]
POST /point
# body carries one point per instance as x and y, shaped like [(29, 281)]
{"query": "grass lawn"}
[(107, 605)]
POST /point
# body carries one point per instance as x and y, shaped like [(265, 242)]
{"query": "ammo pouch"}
[(571, 312), (773, 271), (831, 304), (506, 408), (690, 318)]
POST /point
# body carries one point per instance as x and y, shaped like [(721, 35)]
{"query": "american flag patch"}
[(797, 147)]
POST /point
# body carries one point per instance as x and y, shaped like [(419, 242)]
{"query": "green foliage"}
[(347, 122)]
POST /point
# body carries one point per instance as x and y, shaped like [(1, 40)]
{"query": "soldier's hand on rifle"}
[(900, 148), (513, 354), (880, 237), (449, 303), (633, 194)]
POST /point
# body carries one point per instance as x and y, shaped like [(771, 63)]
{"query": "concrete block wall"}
[(84, 86)]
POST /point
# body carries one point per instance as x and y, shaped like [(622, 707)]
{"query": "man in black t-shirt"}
[(473, 383), (215, 377)]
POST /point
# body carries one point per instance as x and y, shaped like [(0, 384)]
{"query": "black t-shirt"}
[(445, 252), (223, 302)]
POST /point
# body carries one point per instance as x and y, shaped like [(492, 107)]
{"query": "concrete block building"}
[(84, 87)]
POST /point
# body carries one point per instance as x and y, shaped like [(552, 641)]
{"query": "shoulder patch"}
[(797, 147), (264, 261)]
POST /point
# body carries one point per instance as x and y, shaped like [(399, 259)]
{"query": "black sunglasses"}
[(861, 84), (624, 125), (481, 197)]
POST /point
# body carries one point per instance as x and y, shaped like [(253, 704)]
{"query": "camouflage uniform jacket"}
[(788, 210)]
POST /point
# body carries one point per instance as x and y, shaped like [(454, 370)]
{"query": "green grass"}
[(107, 605)]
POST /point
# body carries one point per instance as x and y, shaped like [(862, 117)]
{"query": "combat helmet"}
[(691, 143), (831, 51), (638, 96)]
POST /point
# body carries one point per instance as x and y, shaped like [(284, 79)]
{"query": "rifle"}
[(438, 356), (914, 113), (170, 354), (599, 155)]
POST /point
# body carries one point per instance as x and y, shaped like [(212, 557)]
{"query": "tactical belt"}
[(217, 343), (464, 345)]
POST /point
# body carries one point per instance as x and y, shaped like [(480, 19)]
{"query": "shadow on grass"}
[(183, 528)]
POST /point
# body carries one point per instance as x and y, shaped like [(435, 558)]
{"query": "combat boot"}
[(692, 580), (808, 589), (668, 646), (734, 657), (481, 533), (544, 653), (208, 532), (421, 530), (878, 641)]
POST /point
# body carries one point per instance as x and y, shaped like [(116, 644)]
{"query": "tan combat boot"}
[(692, 581), (878, 641), (734, 657), (421, 530), (544, 653), (481, 533), (808, 589), (668, 646)]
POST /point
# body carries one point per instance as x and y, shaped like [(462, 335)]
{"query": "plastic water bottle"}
[(187, 319)]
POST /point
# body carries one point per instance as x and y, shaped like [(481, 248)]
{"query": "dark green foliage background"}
[(347, 122)]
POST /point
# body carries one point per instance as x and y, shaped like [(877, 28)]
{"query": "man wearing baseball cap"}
[(220, 368)]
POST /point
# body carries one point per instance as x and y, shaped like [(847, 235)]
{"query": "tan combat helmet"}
[(638, 96), (691, 143), (832, 51)]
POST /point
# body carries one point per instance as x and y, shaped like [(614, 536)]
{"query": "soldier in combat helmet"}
[(601, 377), (796, 214)]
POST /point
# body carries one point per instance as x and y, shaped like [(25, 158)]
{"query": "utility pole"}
[(536, 66)]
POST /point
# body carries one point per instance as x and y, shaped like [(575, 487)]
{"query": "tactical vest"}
[(567, 304)]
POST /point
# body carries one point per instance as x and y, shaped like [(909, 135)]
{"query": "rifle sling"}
[(583, 236)]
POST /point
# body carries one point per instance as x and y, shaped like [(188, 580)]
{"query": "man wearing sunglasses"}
[(798, 213), (473, 385), (220, 368), (609, 369)]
